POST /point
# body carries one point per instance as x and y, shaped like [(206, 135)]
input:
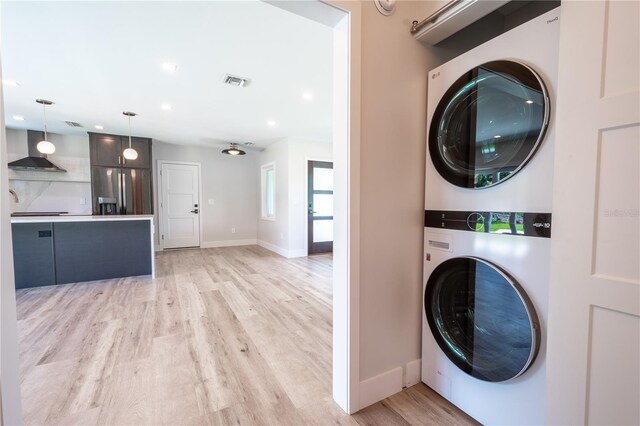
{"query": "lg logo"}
[(435, 74)]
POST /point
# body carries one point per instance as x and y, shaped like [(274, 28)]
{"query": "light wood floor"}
[(233, 335)]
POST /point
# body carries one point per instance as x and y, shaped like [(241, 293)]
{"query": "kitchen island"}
[(50, 250)]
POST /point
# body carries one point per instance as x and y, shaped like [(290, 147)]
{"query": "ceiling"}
[(98, 59)]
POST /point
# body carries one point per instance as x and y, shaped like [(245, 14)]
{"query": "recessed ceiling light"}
[(11, 83), (529, 101), (271, 123), (99, 127), (169, 66), (307, 96), (497, 136), (166, 107), (18, 118)]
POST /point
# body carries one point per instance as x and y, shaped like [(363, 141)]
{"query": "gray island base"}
[(53, 250)]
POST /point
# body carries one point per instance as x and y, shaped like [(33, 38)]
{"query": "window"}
[(269, 191)]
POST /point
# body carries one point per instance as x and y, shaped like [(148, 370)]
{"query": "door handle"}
[(194, 211)]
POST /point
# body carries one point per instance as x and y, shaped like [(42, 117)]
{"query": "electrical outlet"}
[(233, 230), (211, 201)]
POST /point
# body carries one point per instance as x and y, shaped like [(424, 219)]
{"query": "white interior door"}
[(180, 205), (593, 358)]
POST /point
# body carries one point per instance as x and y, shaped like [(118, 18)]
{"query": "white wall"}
[(52, 191), (389, 153), (231, 181), (274, 234), (287, 234)]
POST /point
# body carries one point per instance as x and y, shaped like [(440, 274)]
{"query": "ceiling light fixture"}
[(99, 127), (11, 83), (529, 101), (166, 107), (130, 153), (271, 123), (18, 118), (307, 96), (497, 137), (44, 146), (169, 66), (234, 80), (233, 150)]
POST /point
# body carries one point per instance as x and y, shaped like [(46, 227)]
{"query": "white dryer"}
[(490, 146)]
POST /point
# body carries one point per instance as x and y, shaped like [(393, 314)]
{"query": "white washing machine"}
[(490, 146)]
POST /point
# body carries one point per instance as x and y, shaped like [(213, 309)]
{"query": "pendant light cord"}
[(44, 114), (129, 131)]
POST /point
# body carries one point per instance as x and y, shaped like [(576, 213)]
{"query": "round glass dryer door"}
[(481, 319), (488, 124)]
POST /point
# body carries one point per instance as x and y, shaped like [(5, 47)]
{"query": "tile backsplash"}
[(52, 191)]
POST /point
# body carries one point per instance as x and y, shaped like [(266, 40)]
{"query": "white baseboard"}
[(380, 387), (388, 383), (297, 253), (229, 243), (274, 248), (214, 244), (413, 373), (282, 251)]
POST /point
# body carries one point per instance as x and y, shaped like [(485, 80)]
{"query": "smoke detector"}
[(234, 80), (385, 6)]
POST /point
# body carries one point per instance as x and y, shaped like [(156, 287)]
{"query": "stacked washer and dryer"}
[(489, 177)]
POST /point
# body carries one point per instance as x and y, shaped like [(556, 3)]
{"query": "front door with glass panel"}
[(489, 124), (320, 207), (482, 319)]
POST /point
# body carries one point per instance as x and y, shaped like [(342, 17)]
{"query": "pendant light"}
[(233, 150), (130, 153), (44, 146)]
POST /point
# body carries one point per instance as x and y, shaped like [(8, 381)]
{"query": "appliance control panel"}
[(505, 223)]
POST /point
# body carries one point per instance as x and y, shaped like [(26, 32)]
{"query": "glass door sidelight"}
[(320, 207)]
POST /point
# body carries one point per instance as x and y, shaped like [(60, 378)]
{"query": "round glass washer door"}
[(482, 319), (489, 124)]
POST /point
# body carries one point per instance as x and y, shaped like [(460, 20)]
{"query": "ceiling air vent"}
[(248, 144), (234, 80), (73, 124)]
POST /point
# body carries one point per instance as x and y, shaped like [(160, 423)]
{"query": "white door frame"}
[(346, 170), (159, 198)]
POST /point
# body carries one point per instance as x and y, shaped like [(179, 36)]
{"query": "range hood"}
[(35, 160)]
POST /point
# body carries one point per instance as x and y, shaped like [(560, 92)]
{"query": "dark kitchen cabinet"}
[(33, 259), (106, 151), (129, 182)]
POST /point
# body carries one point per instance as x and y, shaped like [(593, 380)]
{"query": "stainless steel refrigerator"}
[(132, 188)]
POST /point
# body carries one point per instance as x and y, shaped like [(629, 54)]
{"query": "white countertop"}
[(80, 218)]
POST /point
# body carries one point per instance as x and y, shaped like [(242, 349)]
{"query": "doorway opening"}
[(343, 355)]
